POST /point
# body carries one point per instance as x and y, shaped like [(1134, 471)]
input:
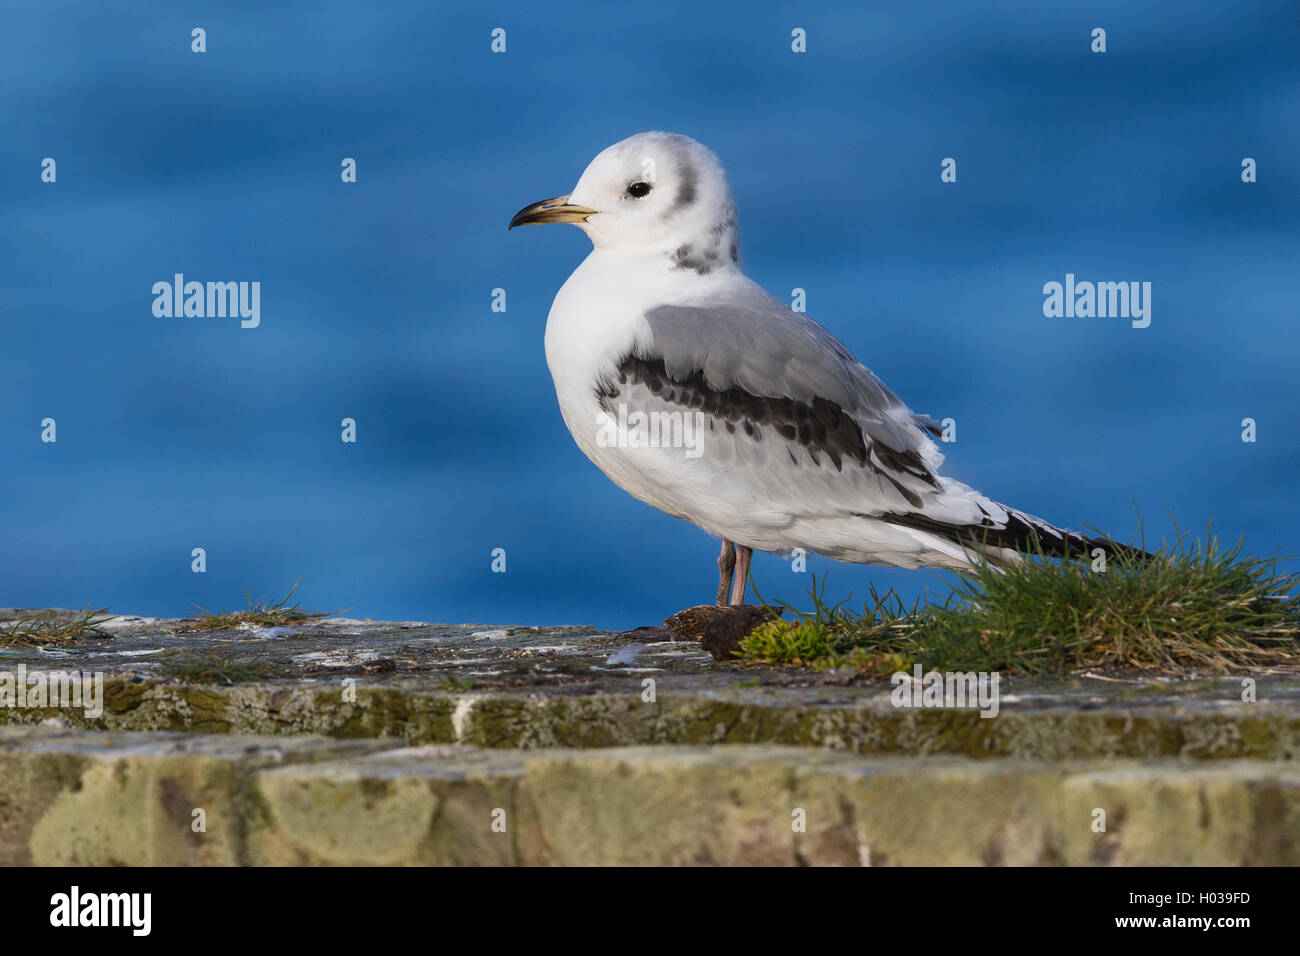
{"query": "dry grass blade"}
[(259, 614), (50, 627), (219, 669)]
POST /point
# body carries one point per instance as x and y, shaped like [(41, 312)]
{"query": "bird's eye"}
[(637, 190)]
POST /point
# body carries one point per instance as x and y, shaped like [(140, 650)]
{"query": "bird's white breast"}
[(596, 319), (597, 316)]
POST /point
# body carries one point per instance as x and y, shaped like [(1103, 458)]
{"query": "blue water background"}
[(182, 433)]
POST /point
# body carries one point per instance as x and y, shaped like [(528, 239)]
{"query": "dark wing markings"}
[(820, 427)]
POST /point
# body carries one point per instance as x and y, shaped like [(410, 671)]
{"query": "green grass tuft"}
[(787, 642), (1194, 607)]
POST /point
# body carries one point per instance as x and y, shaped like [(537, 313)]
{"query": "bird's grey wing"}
[(754, 364)]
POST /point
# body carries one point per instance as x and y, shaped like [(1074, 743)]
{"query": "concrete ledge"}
[(527, 687), (855, 719), (96, 799)]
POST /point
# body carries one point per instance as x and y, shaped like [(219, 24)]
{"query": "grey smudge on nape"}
[(703, 254)]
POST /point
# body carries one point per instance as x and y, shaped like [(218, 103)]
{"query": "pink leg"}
[(743, 554), (726, 565)]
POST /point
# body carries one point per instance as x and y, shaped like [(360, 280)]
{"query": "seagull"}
[(702, 395)]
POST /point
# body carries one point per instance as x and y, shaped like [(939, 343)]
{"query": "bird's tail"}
[(1028, 535), (1005, 535)]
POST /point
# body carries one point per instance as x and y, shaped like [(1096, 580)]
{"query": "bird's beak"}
[(551, 210)]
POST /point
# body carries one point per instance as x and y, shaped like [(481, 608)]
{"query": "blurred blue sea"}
[(182, 433)]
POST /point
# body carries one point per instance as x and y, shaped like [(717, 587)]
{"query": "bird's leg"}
[(726, 564), (743, 554)]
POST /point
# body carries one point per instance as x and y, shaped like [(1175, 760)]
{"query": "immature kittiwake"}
[(700, 394)]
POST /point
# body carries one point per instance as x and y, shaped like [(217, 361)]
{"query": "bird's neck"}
[(714, 247)]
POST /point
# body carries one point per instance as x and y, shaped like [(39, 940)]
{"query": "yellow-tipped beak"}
[(551, 210)]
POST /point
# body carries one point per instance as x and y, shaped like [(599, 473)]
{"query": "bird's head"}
[(651, 192)]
